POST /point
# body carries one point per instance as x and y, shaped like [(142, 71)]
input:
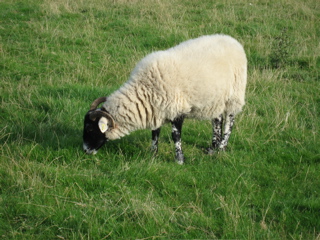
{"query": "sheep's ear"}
[(103, 124)]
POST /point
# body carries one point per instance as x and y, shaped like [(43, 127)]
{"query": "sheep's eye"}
[(89, 128)]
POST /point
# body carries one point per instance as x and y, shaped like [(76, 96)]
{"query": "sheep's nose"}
[(87, 150)]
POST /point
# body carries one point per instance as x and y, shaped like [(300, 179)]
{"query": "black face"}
[(93, 138)]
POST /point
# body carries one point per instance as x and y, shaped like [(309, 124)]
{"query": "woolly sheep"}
[(203, 78)]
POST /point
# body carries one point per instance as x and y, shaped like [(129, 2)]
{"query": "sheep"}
[(203, 78)]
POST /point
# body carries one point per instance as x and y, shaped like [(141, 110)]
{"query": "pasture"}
[(56, 57)]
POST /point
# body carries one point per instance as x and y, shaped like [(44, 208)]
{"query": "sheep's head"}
[(96, 123)]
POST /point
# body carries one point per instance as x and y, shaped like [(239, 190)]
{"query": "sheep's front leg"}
[(217, 124), (227, 131), (176, 136), (155, 139)]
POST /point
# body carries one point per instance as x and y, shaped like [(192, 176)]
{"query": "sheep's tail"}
[(237, 99)]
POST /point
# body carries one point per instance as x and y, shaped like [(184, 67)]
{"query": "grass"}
[(57, 56)]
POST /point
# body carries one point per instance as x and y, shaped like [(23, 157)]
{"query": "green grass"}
[(58, 56)]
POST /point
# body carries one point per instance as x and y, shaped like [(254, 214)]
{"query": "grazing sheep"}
[(203, 78)]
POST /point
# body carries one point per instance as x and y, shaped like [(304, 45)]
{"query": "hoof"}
[(154, 149), (222, 149), (180, 159), (180, 162), (210, 151)]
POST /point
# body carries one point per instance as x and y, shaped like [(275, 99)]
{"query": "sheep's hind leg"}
[(217, 124), (227, 131), (155, 140), (176, 136)]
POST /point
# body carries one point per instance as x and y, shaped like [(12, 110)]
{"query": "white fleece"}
[(201, 78)]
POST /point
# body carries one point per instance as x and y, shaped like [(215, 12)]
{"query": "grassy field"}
[(58, 56)]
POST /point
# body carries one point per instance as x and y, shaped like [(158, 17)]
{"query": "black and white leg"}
[(217, 125), (176, 136), (155, 139), (227, 131)]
